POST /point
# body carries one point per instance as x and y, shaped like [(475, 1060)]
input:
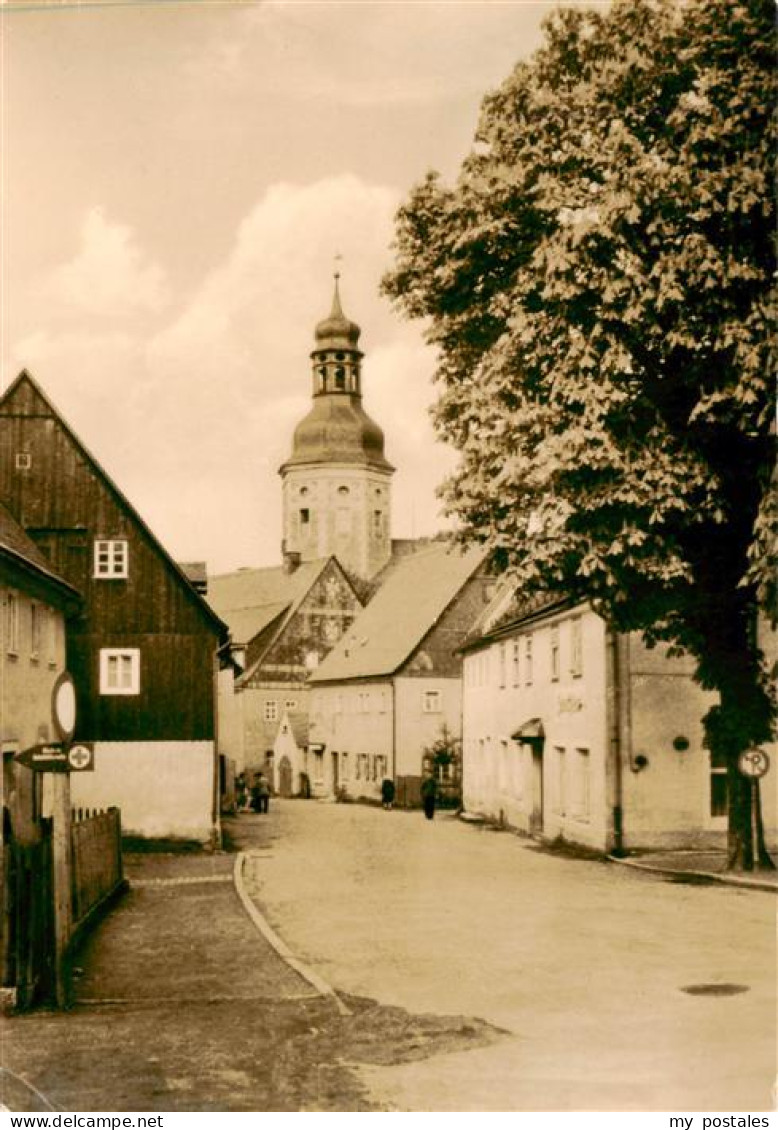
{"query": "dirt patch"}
[(257, 1055)]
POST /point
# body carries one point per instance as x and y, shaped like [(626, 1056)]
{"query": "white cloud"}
[(193, 420), (109, 276)]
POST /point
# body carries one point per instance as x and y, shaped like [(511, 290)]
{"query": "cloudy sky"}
[(177, 181)]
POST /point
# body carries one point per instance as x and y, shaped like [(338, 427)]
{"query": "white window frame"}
[(132, 656), (36, 633), (555, 663), (270, 710), (23, 461), (428, 698), (576, 647), (111, 559), (12, 623)]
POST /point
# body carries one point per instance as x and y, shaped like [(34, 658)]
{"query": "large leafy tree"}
[(598, 284)]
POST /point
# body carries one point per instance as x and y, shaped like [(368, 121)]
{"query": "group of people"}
[(255, 798), (429, 795)]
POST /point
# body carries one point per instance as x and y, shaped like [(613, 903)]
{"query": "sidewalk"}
[(700, 867), (181, 1005)]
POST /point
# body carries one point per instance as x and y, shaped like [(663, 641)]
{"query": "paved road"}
[(582, 963)]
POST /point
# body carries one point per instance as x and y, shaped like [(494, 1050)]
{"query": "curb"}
[(280, 947), (711, 876)]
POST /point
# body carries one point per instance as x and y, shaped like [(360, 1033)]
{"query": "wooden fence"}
[(96, 840), (28, 956)]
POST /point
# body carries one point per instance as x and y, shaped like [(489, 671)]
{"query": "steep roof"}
[(26, 378), (20, 548), (510, 609), (251, 599), (416, 592)]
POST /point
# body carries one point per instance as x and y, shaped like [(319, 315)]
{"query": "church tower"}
[(337, 481)]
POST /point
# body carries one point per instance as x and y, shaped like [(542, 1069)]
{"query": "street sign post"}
[(753, 763), (50, 757), (81, 757), (63, 706)]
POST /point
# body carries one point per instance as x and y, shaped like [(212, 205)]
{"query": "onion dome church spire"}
[(337, 480)]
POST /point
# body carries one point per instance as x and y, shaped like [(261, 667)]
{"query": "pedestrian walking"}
[(387, 793), (429, 794), (260, 793)]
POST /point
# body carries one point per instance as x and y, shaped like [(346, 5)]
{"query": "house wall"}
[(27, 679), (418, 726), (354, 721), (165, 789), (499, 697), (261, 710), (668, 802)]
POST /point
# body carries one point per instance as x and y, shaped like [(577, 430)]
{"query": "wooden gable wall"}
[(64, 503), (324, 614)]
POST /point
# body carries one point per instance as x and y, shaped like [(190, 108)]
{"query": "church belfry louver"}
[(336, 484)]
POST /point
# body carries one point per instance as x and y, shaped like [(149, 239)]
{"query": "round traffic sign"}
[(79, 756), (63, 706), (753, 763)]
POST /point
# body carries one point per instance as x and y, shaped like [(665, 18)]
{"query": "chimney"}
[(291, 561)]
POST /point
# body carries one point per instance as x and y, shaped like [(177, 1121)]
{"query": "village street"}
[(583, 963), (474, 971)]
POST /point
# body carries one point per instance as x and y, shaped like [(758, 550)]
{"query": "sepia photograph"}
[(388, 619)]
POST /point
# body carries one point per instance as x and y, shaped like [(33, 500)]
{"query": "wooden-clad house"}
[(144, 653)]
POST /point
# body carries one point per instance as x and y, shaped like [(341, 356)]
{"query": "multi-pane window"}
[(502, 664), (12, 623), (528, 660), (270, 710), (576, 647), (290, 704), (430, 702), (111, 558), (378, 522), (119, 670), (555, 652), (515, 663)]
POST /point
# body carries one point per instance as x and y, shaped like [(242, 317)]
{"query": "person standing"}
[(429, 795), (387, 793), (262, 793)]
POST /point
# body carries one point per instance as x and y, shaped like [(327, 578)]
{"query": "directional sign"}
[(81, 756), (753, 763), (48, 758)]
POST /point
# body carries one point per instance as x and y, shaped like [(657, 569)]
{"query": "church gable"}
[(321, 617)]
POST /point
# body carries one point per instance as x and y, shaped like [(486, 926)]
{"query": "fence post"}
[(62, 881)]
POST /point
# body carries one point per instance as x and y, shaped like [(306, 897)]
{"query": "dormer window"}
[(111, 558)]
